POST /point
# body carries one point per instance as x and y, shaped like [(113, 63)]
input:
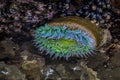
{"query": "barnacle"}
[(68, 36)]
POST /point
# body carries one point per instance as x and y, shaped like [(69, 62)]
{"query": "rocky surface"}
[(10, 72), (8, 49)]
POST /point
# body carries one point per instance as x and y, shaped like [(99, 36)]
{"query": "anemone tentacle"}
[(62, 42)]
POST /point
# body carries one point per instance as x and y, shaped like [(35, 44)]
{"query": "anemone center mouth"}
[(66, 42), (64, 45)]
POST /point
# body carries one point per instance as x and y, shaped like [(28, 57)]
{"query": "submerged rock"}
[(10, 72), (31, 65), (7, 49), (31, 61), (69, 71)]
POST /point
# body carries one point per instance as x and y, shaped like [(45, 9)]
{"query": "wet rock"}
[(29, 46), (84, 72), (89, 74), (49, 72), (107, 64), (31, 61), (116, 3), (62, 71), (110, 70), (115, 58), (107, 36), (10, 72), (68, 71), (31, 65), (112, 74), (8, 49), (54, 71), (97, 60)]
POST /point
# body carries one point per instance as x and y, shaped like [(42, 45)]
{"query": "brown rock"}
[(7, 49), (31, 65), (10, 72)]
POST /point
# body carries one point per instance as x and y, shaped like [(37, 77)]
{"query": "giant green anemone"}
[(67, 37)]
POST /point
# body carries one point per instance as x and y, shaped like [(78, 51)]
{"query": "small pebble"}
[(94, 7)]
